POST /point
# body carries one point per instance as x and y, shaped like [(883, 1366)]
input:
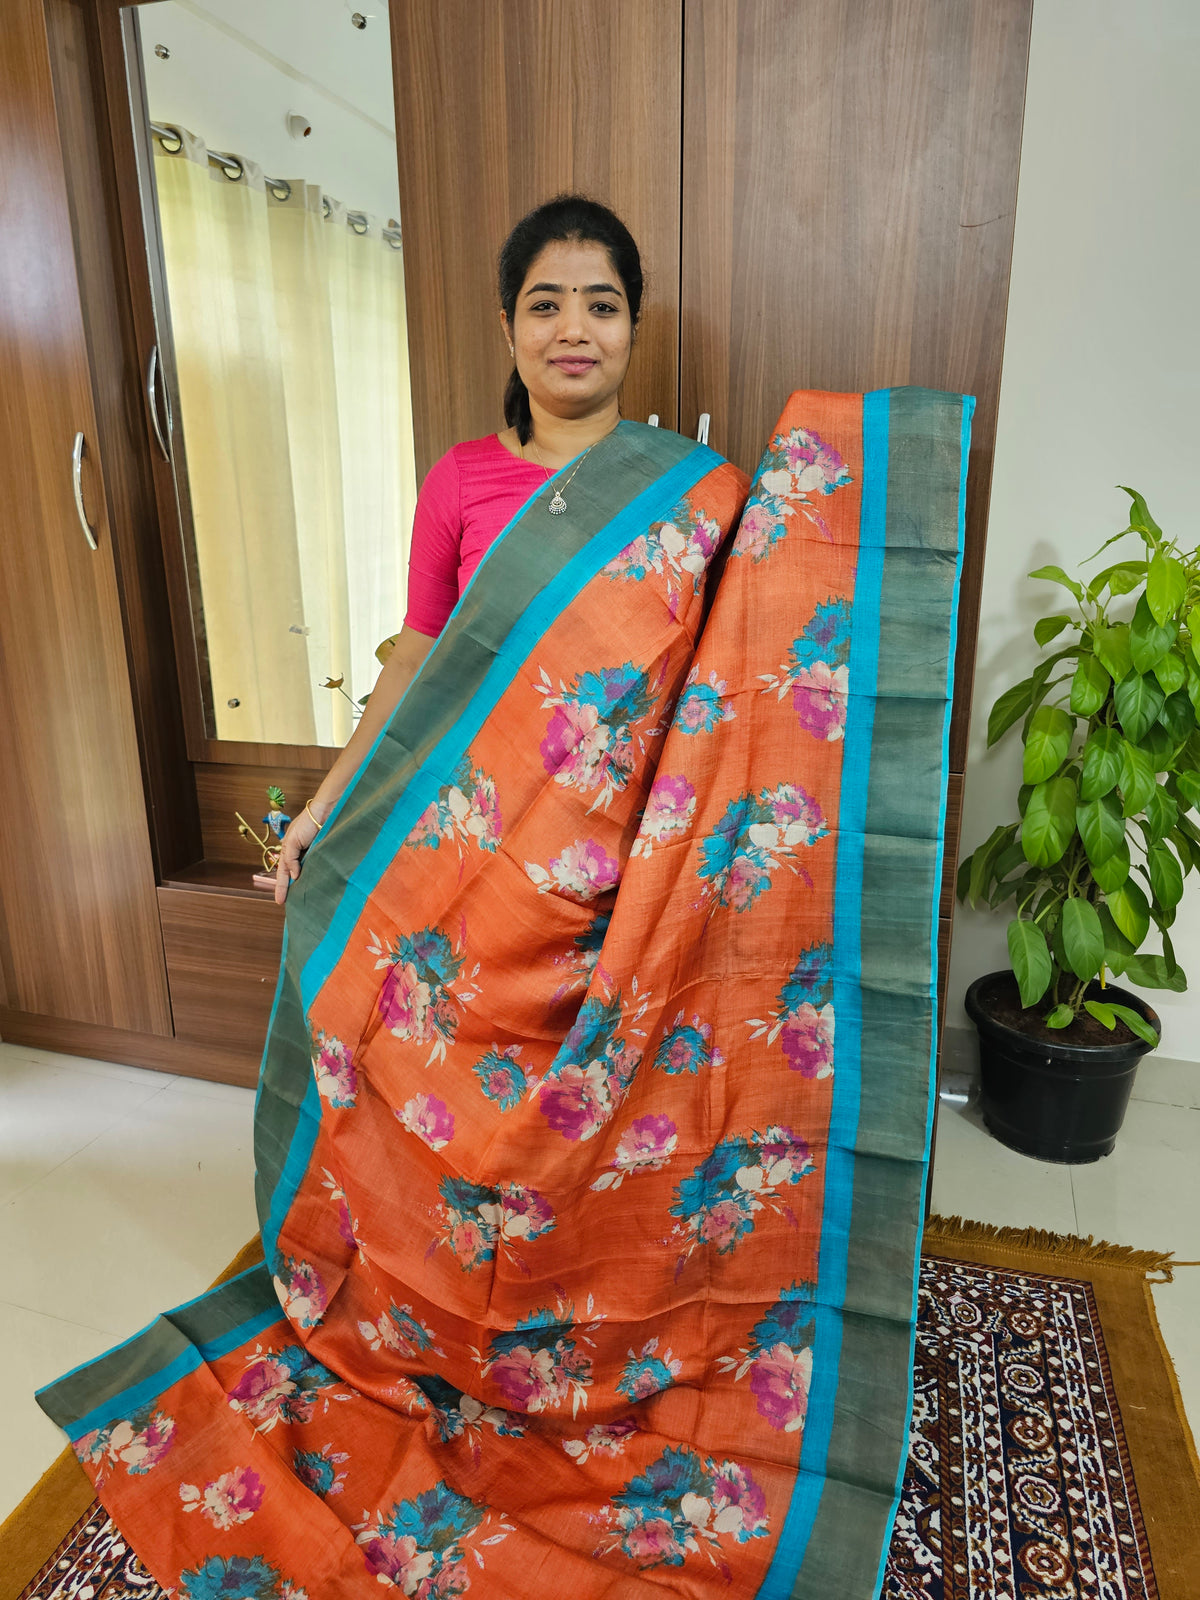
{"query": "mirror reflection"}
[(283, 398)]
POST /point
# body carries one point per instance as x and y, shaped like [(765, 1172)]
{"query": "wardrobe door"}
[(501, 106), (79, 929), (849, 187)]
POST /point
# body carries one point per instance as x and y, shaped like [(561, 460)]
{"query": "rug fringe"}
[(1062, 1246)]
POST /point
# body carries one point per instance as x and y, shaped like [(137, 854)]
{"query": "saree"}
[(595, 1108)]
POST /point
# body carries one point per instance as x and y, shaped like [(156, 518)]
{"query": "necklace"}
[(558, 505)]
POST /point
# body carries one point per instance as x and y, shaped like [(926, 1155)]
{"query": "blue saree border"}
[(847, 936)]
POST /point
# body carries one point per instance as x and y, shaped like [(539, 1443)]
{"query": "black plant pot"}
[(1056, 1101)]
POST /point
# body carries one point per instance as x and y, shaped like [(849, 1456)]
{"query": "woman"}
[(570, 298), (561, 1196)]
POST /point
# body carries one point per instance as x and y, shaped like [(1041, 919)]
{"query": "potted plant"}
[(1096, 863)]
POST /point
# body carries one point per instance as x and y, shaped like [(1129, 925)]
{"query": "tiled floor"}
[(123, 1192)]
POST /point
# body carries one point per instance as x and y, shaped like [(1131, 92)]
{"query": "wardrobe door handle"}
[(152, 401), (652, 419), (77, 483), (702, 429)]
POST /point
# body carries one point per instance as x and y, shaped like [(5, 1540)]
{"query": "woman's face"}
[(572, 332)]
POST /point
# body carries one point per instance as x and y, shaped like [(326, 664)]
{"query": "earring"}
[(511, 351)]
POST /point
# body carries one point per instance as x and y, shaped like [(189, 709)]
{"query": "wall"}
[(235, 71), (1101, 380)]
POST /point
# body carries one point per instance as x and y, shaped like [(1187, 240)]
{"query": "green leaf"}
[(1102, 763), (1119, 579), (1057, 575), (1101, 1012), (1177, 716), (1101, 827), (1193, 686), (1159, 747), (1023, 794), (1111, 643), (1150, 972), (1140, 519), (1111, 874), (1117, 948), (1183, 848), (1166, 875), (1089, 686), (1047, 743), (1193, 628), (1130, 911), (1137, 779), (1166, 586), (982, 859), (1138, 700), (1030, 959), (1149, 640), (962, 877), (1188, 784), (1136, 1023), (1049, 824), (1083, 937), (1012, 705), (1171, 672), (1161, 814), (1047, 628), (1060, 1017)]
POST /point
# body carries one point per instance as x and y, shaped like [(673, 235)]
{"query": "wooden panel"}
[(499, 107), (954, 805), (80, 936), (222, 789), (222, 964), (848, 202), (117, 386), (157, 1051)]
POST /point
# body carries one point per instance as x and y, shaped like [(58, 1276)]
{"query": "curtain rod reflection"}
[(172, 143)]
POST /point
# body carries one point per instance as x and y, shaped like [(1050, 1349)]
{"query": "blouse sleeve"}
[(435, 552)]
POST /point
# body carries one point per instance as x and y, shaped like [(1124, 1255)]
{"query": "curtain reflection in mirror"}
[(291, 359)]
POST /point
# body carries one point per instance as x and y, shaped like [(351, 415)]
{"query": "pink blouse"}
[(468, 498)]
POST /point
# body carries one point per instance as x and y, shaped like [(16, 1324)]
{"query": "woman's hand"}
[(296, 841)]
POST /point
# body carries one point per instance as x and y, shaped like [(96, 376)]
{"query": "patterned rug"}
[(1021, 1475)]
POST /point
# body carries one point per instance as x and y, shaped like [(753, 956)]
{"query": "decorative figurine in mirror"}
[(270, 843)]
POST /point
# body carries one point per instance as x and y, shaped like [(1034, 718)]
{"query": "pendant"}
[(557, 506)]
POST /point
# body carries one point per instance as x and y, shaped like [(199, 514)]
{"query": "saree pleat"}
[(594, 1115)]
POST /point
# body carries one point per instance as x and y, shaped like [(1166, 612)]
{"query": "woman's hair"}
[(568, 218)]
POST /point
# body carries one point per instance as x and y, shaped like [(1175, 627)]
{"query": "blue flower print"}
[(232, 1578)]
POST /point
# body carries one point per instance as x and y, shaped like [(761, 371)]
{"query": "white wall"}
[(236, 70), (1101, 379)]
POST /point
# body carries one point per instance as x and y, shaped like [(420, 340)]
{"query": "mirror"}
[(279, 387)]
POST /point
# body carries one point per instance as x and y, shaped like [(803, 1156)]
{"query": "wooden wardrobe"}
[(824, 194)]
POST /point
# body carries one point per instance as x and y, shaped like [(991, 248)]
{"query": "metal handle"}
[(652, 419), (152, 402), (702, 429), (77, 481)]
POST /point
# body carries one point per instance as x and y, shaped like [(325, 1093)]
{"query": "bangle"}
[(313, 815)]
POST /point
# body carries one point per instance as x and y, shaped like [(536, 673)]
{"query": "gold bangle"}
[(313, 815)]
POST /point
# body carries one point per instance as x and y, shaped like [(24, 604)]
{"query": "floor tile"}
[(49, 1112), (1170, 1083), (142, 1218), (977, 1177), (232, 1093), (1177, 1306), (95, 1069), (1147, 1192), (36, 1349)]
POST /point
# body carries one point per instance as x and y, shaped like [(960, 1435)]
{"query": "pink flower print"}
[(429, 1119), (140, 1449), (704, 540), (401, 1561), (583, 871), (739, 1504), (524, 1213), (807, 1039), (261, 1385), (487, 806), (745, 882), (757, 531), (530, 1380), (779, 1380), (652, 1542), (819, 699), (723, 1224), (784, 1157), (333, 1068), (797, 814), (404, 1003), (602, 1439), (647, 1144), (576, 1101), (468, 1240), (670, 807), (346, 1223), (574, 743), (816, 466), (301, 1293), (232, 1498)]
